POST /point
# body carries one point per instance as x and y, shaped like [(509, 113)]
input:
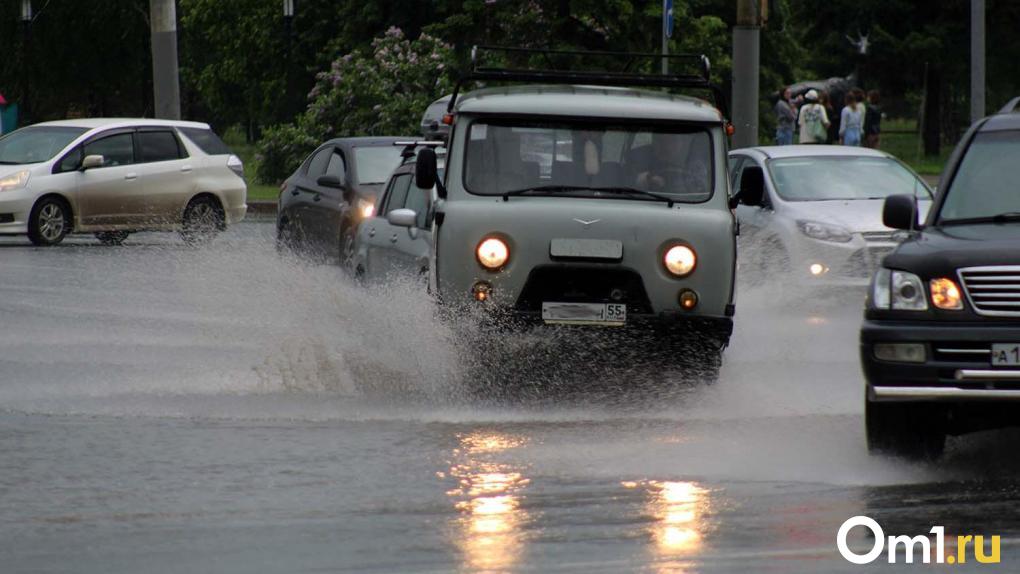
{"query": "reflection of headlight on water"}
[(678, 508)]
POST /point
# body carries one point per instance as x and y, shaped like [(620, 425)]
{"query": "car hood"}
[(942, 250), (856, 215)]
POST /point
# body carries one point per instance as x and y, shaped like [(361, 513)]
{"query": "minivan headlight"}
[(16, 180), (492, 253), (679, 260), (824, 231), (898, 290)]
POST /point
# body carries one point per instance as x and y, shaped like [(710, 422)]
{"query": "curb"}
[(261, 210)]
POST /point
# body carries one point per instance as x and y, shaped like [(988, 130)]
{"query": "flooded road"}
[(167, 409)]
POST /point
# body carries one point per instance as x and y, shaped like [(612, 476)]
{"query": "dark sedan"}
[(333, 190), (940, 344)]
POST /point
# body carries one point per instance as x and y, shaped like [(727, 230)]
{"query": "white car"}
[(813, 213), (113, 177)]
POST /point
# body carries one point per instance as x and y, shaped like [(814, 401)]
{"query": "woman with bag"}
[(813, 121)]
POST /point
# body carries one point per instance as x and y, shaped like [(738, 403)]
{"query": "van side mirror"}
[(92, 161), (900, 212), (752, 188), (402, 217), (425, 171), (329, 180)]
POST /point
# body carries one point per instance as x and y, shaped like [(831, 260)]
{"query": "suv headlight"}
[(898, 290), (16, 180), (825, 231)]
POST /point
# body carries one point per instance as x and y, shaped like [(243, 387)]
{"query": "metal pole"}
[(665, 40), (977, 60), (166, 89), (746, 71)]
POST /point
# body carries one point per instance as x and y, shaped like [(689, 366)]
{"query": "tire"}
[(112, 237), (203, 219), (49, 222), (908, 430)]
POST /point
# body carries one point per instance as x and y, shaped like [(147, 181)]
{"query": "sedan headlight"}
[(366, 208), (898, 290), (492, 253), (824, 231), (679, 260), (16, 180)]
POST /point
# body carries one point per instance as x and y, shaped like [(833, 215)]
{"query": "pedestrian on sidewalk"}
[(814, 122), (785, 118), (851, 122), (873, 120)]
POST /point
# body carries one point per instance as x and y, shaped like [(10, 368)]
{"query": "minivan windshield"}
[(375, 164), (589, 159), (827, 178), (984, 187), (36, 144)]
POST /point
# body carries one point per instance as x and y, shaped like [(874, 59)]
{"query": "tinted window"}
[(157, 146), (985, 183), (336, 166), (70, 162), (398, 193), (317, 166), (206, 140), (116, 150), (36, 144)]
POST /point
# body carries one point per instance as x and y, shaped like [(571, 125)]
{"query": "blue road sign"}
[(667, 16)]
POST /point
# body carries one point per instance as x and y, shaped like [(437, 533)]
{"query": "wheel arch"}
[(63, 198)]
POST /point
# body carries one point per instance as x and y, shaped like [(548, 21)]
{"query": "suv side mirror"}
[(425, 171), (329, 180), (92, 161), (752, 188), (900, 212), (402, 217)]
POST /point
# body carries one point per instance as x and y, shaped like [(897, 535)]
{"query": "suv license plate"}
[(585, 313), (1006, 353)]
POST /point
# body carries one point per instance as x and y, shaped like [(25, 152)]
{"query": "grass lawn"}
[(909, 148), (246, 151)]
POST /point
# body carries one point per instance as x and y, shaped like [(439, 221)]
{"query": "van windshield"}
[(36, 144), (587, 159)]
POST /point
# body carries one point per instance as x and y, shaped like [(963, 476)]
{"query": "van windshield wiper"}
[(558, 188), (1007, 217)]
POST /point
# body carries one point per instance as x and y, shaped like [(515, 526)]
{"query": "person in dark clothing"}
[(873, 120), (833, 129)]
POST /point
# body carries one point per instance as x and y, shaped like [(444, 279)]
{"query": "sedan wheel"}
[(49, 222)]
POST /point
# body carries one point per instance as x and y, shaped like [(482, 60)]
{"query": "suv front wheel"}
[(909, 430)]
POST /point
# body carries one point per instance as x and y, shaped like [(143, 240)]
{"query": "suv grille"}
[(993, 291)]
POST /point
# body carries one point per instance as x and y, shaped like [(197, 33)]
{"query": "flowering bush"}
[(382, 93)]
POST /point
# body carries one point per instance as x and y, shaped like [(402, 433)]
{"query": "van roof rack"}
[(411, 146), (624, 77)]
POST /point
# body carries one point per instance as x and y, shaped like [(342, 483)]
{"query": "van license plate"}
[(585, 313), (1006, 353)]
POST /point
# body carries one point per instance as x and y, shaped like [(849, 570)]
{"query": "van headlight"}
[(492, 253), (16, 180), (898, 290), (824, 231), (679, 260)]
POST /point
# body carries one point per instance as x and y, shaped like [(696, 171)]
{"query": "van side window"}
[(157, 146), (71, 161), (116, 150)]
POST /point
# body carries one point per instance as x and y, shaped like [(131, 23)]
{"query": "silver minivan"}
[(565, 202)]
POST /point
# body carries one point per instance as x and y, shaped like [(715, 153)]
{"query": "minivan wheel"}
[(203, 219), (911, 431), (49, 222), (112, 237)]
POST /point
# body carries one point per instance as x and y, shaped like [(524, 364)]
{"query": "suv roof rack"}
[(624, 77), (1011, 106)]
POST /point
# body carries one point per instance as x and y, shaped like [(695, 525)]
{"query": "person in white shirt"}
[(813, 121)]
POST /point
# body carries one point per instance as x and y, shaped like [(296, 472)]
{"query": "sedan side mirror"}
[(752, 188), (900, 212), (92, 161), (402, 217), (329, 180)]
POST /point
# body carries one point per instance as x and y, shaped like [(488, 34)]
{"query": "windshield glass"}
[(824, 178), (375, 164), (36, 144), (580, 159), (985, 183)]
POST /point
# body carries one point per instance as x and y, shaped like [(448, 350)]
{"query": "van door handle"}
[(185, 169), (131, 176), (394, 238)]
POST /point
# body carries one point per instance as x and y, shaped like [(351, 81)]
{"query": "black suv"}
[(940, 344)]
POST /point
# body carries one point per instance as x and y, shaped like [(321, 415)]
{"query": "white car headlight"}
[(824, 231), (16, 180), (898, 290)]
